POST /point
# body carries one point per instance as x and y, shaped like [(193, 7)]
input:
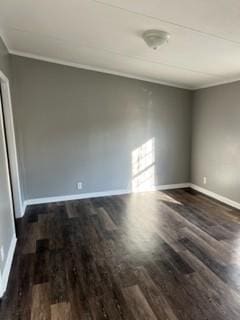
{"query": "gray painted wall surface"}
[(216, 139), (77, 125), (6, 222)]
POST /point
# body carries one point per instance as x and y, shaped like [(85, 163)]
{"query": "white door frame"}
[(11, 143), (9, 256)]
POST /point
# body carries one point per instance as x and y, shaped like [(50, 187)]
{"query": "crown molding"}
[(112, 72), (117, 73), (97, 69), (219, 83)]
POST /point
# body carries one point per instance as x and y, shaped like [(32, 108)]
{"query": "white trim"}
[(24, 206), (216, 196), (121, 74), (97, 69), (11, 141), (6, 271), (101, 194), (117, 73), (128, 191), (3, 37), (218, 83), (7, 167), (8, 262), (172, 186)]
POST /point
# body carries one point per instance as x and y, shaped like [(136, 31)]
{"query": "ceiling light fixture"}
[(155, 38)]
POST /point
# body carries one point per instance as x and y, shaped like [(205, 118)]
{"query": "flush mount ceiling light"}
[(155, 38)]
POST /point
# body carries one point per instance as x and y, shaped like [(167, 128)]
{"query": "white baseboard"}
[(211, 194), (6, 271), (101, 194), (24, 206), (216, 196), (22, 211), (172, 186)]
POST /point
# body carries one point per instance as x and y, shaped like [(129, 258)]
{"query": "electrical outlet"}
[(204, 180), (79, 185), (2, 253)]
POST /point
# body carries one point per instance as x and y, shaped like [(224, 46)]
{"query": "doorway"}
[(8, 126)]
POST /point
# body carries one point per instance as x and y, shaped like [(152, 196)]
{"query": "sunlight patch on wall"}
[(143, 167)]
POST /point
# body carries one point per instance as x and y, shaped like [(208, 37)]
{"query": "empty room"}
[(119, 160)]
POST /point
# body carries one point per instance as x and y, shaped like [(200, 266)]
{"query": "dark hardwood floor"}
[(161, 255)]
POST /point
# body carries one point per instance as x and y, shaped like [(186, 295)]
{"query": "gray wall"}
[(6, 222), (77, 125), (216, 139)]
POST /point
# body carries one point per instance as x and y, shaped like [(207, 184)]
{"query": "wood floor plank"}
[(170, 255), (57, 277), (40, 302), (107, 221), (61, 311), (156, 300), (138, 303)]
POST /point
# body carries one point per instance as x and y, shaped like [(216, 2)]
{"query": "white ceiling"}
[(204, 48)]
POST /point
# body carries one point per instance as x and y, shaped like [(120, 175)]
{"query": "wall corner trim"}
[(100, 194), (6, 272), (216, 196), (24, 206)]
